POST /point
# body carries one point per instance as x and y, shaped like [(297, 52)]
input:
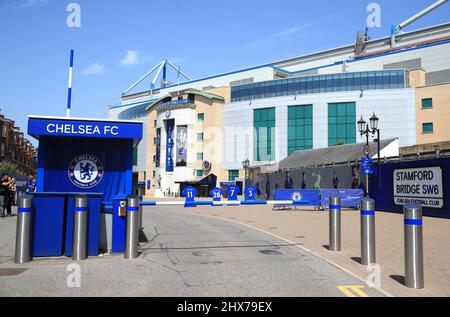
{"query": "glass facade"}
[(300, 128), (263, 137), (386, 79), (341, 123)]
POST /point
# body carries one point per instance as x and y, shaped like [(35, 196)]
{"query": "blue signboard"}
[(169, 145), (67, 165), (176, 102), (310, 195), (90, 129), (367, 165), (250, 193)]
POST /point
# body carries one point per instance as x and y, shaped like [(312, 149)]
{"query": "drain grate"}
[(11, 272), (270, 252)]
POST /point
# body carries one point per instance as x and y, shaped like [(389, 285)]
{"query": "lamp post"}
[(246, 166), (364, 129)]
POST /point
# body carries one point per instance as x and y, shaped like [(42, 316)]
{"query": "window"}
[(300, 131), (264, 135), (200, 156), (199, 173), (154, 123), (154, 174), (154, 158), (232, 175), (427, 128), (427, 103), (154, 141), (201, 117), (341, 123), (199, 136)]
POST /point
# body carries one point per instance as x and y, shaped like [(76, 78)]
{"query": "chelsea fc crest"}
[(86, 171), (297, 196)]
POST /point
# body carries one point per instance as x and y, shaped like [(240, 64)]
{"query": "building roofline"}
[(351, 46), (276, 64)]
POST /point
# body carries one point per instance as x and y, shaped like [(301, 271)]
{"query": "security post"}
[(414, 273), (335, 223), (80, 228), (23, 252), (132, 239), (367, 231)]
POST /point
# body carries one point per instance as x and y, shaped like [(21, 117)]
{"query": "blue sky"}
[(118, 41)]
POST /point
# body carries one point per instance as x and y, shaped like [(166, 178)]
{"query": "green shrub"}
[(8, 167)]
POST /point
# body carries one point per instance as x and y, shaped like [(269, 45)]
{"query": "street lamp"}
[(246, 166), (364, 129)]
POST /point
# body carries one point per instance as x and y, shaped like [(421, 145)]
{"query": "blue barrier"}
[(349, 197), (225, 203)]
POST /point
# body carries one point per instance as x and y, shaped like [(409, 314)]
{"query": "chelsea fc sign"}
[(86, 171)]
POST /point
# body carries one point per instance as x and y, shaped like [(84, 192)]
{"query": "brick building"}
[(15, 148)]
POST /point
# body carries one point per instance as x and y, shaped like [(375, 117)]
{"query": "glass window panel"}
[(332, 110), (350, 82), (372, 80), (300, 112), (341, 110), (309, 87), (357, 81), (379, 80)]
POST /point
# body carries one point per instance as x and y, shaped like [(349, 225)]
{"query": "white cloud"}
[(287, 32), (132, 58), (94, 69), (32, 3), (273, 38)]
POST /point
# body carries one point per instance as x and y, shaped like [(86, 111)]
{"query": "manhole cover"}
[(270, 252), (11, 272)]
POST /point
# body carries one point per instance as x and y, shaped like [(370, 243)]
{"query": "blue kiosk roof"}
[(39, 126)]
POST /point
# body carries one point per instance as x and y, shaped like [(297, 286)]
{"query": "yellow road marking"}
[(351, 290)]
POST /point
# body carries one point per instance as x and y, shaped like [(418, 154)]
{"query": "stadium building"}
[(200, 131)]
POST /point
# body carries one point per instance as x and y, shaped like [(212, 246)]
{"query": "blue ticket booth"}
[(80, 156)]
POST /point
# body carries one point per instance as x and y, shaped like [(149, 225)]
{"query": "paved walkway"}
[(184, 255), (311, 229)]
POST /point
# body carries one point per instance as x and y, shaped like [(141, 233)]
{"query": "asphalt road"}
[(186, 255)]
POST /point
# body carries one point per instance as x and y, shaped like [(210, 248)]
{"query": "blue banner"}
[(349, 197), (310, 195), (90, 129), (169, 145), (67, 165)]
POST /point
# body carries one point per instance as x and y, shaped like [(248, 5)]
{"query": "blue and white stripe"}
[(69, 96)]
